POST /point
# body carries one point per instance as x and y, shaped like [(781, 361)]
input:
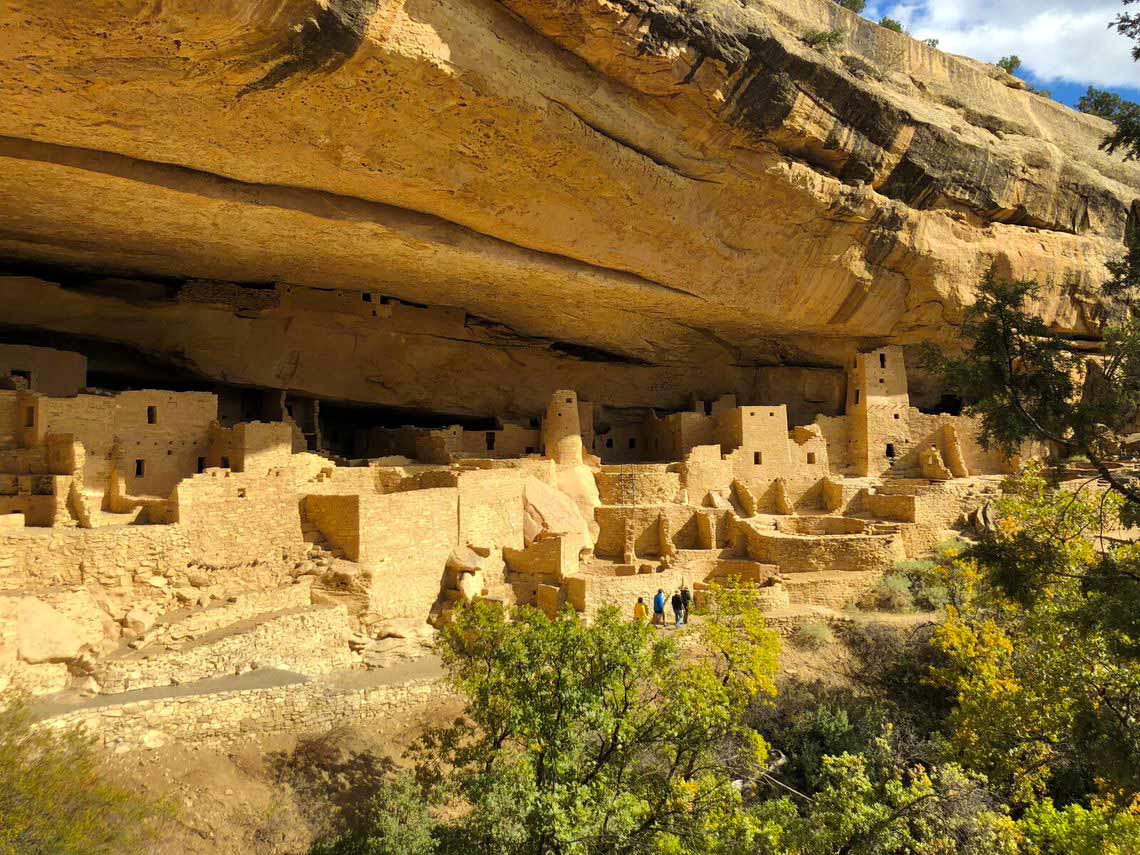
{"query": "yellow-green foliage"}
[(55, 798), (1038, 682)]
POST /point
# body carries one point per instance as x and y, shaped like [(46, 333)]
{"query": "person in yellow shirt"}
[(639, 610)]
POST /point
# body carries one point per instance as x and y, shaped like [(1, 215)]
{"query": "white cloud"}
[(1057, 40)]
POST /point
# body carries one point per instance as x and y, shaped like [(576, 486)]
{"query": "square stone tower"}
[(878, 408)]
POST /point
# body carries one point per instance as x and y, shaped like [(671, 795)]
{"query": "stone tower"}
[(878, 407), (562, 430)]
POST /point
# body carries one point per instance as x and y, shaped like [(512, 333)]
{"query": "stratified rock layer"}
[(635, 198)]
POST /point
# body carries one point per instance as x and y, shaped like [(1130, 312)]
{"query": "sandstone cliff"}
[(639, 199)]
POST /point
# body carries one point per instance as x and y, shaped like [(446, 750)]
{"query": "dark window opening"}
[(757, 457), (772, 414), (896, 416), (490, 437), (881, 380), (534, 422), (951, 405), (365, 296), (225, 463), (241, 492), (289, 410), (811, 457), (152, 415), (530, 449), (856, 396), (30, 417), (610, 442), (140, 468), (708, 408), (632, 442), (882, 360), (201, 465), (890, 450), (569, 400), (23, 374)]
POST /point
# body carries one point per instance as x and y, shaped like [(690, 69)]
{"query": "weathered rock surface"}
[(634, 198)]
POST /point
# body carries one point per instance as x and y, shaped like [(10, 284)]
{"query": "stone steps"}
[(308, 640)]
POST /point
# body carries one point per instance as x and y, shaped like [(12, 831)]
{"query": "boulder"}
[(547, 510), (46, 635), (139, 621)]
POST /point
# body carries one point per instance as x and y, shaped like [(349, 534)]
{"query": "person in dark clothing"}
[(678, 608), (686, 601)]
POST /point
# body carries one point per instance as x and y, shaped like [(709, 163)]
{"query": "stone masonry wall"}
[(233, 518), (313, 641), (213, 718)]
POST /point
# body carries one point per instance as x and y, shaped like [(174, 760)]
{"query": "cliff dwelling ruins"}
[(309, 334)]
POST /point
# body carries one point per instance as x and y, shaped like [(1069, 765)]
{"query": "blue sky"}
[(1064, 45)]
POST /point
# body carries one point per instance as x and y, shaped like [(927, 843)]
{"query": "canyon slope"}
[(460, 205)]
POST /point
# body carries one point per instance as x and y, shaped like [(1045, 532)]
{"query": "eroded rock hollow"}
[(461, 205)]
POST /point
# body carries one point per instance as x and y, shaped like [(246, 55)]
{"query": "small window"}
[(757, 458), (881, 380), (856, 396), (708, 408), (140, 468), (890, 451), (609, 442), (772, 414), (201, 465), (241, 492), (225, 463), (30, 417), (534, 422), (896, 417), (882, 360), (365, 296), (569, 400), (152, 415), (23, 374), (490, 437), (811, 458), (633, 442)]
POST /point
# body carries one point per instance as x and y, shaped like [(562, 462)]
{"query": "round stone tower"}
[(561, 429)]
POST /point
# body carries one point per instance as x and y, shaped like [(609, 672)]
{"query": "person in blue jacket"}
[(659, 608)]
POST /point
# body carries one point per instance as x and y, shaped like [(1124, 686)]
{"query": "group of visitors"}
[(680, 602)]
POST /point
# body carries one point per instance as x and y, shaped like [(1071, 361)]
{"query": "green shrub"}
[(395, 821), (813, 636), (55, 798), (891, 24), (890, 594), (930, 43), (824, 39), (950, 549), (914, 566), (855, 6), (1009, 63), (932, 597)]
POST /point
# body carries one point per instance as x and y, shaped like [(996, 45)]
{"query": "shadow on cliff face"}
[(322, 43)]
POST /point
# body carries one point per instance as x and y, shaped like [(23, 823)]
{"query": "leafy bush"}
[(930, 43), (812, 636), (855, 6), (55, 798), (395, 821), (891, 594), (950, 549), (927, 586), (891, 24), (824, 39), (1009, 63)]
